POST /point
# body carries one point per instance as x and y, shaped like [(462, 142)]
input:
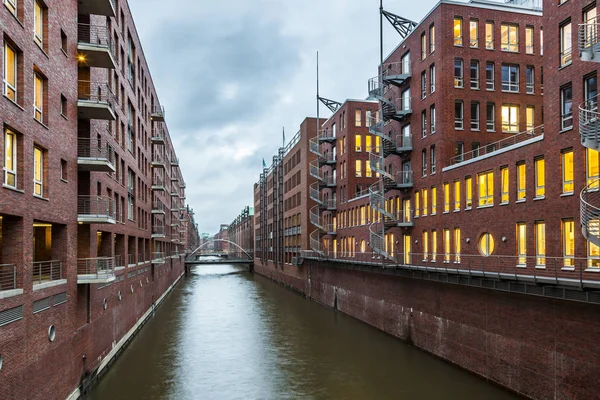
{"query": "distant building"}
[(241, 232)]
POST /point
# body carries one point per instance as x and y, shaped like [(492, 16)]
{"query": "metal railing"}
[(315, 217), (538, 131), (93, 148), (315, 192), (158, 133), (140, 258), (589, 122), (158, 112), (314, 146), (119, 262), (130, 259), (403, 141), (404, 177), (590, 212), (96, 35), (8, 277), (96, 92), (315, 242), (158, 257), (158, 205), (588, 35), (327, 134), (157, 182), (158, 158), (174, 161), (96, 266), (46, 271), (397, 68), (158, 229), (96, 206)]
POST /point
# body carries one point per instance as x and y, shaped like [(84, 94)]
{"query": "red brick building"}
[(241, 233), (94, 240)]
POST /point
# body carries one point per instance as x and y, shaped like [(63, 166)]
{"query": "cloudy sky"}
[(232, 73)]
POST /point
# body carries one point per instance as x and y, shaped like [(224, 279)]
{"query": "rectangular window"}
[(432, 78), (38, 23), (431, 38), (433, 160), (521, 181), (425, 245), (459, 151), (425, 202), (567, 172), (358, 118), (446, 197), (457, 245), (456, 195), (458, 73), (510, 78), (504, 185), (473, 33), (433, 200), (433, 245), (510, 118), (358, 143), (10, 159), (446, 245), (358, 168), (489, 35), (368, 141), (424, 163), (38, 171), (566, 107), (417, 204), (593, 253), (529, 40), (458, 41), (529, 78), (568, 242), (11, 5), (474, 74), (540, 177), (592, 164), (474, 116), (38, 100), (509, 37), (423, 84), (486, 188), (530, 115), (522, 244), (489, 76), (458, 115), (423, 46), (540, 244), (368, 170), (491, 117), (432, 118), (468, 193), (64, 175), (10, 72), (565, 44), (423, 123)]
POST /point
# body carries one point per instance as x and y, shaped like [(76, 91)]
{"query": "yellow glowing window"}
[(529, 40), (540, 243), (417, 204), (377, 143), (457, 245), (38, 101), (10, 72), (368, 170), (510, 118), (568, 242), (10, 159), (521, 182), (358, 118), (358, 168), (368, 143), (567, 172), (446, 245), (11, 5), (509, 37), (38, 23), (425, 202), (592, 168), (456, 195), (458, 32), (504, 188), (473, 33), (593, 256), (486, 244), (489, 35), (407, 215), (540, 177), (407, 248), (521, 243), (530, 114), (363, 215), (358, 142), (468, 192), (38, 171), (486, 188), (433, 200), (425, 245), (446, 197)]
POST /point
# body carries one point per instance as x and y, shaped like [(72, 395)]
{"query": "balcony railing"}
[(158, 258), (96, 209), (158, 160), (119, 261), (46, 271), (158, 207), (96, 101), (158, 134), (8, 277), (95, 270), (589, 39), (174, 161), (95, 46), (95, 156), (158, 231), (590, 212), (158, 114), (131, 260), (589, 123)]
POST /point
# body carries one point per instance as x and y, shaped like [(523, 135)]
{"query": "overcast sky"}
[(232, 73)]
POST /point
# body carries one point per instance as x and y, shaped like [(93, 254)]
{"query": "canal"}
[(226, 334)]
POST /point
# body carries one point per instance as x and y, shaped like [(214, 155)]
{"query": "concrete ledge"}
[(45, 285), (5, 294)]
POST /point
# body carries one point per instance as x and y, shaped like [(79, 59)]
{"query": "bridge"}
[(202, 256)]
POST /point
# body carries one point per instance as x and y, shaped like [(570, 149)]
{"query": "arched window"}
[(486, 244)]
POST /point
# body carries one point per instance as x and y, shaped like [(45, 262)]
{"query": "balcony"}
[(158, 184), (404, 179), (95, 101), (95, 270), (158, 114), (589, 124), (158, 258), (47, 273), (158, 231), (590, 212), (330, 204), (95, 47), (174, 161), (396, 144), (97, 7), (327, 135), (158, 160), (589, 40), (397, 73), (402, 108), (8, 281), (96, 210), (93, 156), (182, 185), (158, 135), (327, 158), (158, 207)]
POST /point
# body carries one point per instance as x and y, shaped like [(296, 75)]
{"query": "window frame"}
[(459, 80), (540, 244), (474, 41), (38, 102), (13, 158), (511, 84), (475, 116), (38, 170), (7, 84), (485, 188), (474, 81), (459, 122), (512, 38), (504, 185), (566, 183), (490, 83), (513, 126), (521, 242), (540, 177), (521, 181), (566, 53), (457, 35), (487, 119), (489, 44), (566, 117)]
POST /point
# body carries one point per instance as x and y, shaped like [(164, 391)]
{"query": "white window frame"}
[(513, 72), (490, 123), (459, 122), (38, 110), (513, 126), (8, 171), (566, 50), (432, 78), (475, 118), (512, 38), (8, 85), (529, 36), (490, 84), (38, 182), (529, 84), (432, 118), (433, 159), (566, 117), (474, 80), (459, 79), (38, 37)]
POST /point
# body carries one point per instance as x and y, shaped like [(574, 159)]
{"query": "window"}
[(456, 195), (63, 106), (568, 242), (358, 168), (38, 171), (433, 200), (565, 44), (521, 181), (590, 32), (432, 78), (521, 244), (458, 73), (446, 245), (474, 74), (423, 84), (358, 118), (431, 38), (425, 202), (368, 170), (540, 177), (489, 76), (433, 245), (491, 117), (425, 245), (11, 5), (423, 123), (405, 106), (458, 31), (590, 92), (369, 119), (10, 158), (529, 40), (417, 204), (432, 156), (504, 185), (567, 172), (358, 140), (468, 193), (432, 118), (473, 33), (486, 188), (457, 245), (459, 151), (10, 72), (458, 115), (489, 35), (530, 121), (592, 171), (424, 163), (510, 118), (510, 78), (423, 46), (540, 244), (63, 170), (566, 104), (474, 116), (509, 37), (38, 101), (64, 45), (593, 253), (446, 197), (529, 80), (38, 23), (486, 245)]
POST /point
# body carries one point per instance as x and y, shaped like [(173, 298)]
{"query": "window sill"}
[(504, 203), (64, 116), (14, 189), (592, 269), (64, 52), (567, 194), (485, 206), (41, 197), (5, 294), (567, 269), (14, 102), (475, 88), (468, 208), (521, 266), (446, 212), (490, 90), (511, 91), (565, 66), (539, 198), (456, 211), (64, 180), (566, 129), (540, 267), (520, 201), (41, 48), (41, 123)]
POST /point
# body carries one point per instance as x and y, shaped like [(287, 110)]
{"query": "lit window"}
[(458, 32), (358, 139), (510, 118), (368, 170), (407, 214), (568, 242), (489, 76), (457, 245), (10, 159), (540, 244), (10, 72), (509, 37), (431, 38), (458, 73), (38, 23), (567, 172), (491, 117), (486, 245), (358, 168), (446, 245), (565, 44), (593, 256), (456, 195), (592, 170), (521, 181), (522, 243), (486, 188), (590, 33), (358, 118), (474, 74), (540, 178), (433, 245), (504, 188), (529, 40), (38, 171), (38, 101), (530, 115), (566, 107), (510, 78), (425, 202), (368, 147), (473, 33), (407, 248), (433, 200), (11, 5), (468, 193), (423, 46), (489, 35), (417, 204), (458, 115), (425, 245), (446, 197), (474, 116)]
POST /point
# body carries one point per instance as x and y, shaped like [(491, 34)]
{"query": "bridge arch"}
[(250, 257)]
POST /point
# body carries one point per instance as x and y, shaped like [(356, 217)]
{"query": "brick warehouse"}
[(466, 211), (241, 233), (98, 237)]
